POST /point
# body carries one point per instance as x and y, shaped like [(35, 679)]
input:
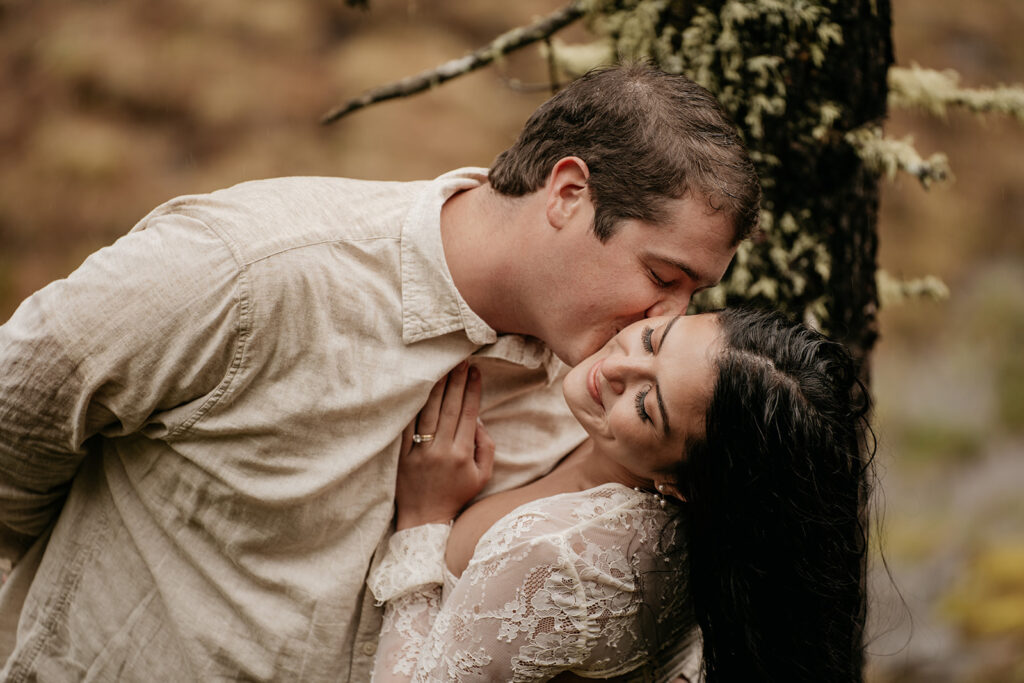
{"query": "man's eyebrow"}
[(657, 387)]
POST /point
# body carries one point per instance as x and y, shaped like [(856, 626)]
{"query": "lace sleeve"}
[(414, 561), (408, 579), (516, 615)]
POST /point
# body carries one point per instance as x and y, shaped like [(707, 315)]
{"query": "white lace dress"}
[(574, 582)]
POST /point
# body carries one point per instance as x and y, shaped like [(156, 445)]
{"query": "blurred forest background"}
[(108, 108)]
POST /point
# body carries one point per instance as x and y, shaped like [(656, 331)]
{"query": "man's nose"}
[(672, 303)]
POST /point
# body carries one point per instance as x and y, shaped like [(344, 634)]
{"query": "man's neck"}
[(480, 232)]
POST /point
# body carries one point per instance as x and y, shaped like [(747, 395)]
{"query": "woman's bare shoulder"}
[(533, 510)]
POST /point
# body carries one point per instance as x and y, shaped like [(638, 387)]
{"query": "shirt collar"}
[(431, 305), (526, 351)]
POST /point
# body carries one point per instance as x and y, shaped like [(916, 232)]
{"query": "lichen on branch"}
[(936, 91), (887, 156), (893, 290)]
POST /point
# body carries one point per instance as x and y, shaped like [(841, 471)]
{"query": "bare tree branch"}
[(552, 67), (517, 85), (502, 45)]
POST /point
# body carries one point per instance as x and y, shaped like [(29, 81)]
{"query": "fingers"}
[(437, 478), (407, 440), (451, 404), (484, 452), (470, 411), (451, 414), (442, 414), (426, 421)]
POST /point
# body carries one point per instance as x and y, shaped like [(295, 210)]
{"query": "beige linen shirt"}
[(199, 431)]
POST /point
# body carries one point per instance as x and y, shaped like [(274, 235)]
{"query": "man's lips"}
[(595, 393)]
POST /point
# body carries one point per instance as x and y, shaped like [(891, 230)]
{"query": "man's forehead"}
[(695, 214)]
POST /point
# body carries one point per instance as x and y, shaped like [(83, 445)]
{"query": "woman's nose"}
[(620, 369)]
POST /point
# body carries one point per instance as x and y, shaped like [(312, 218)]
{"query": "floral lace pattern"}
[(414, 560), (575, 582)]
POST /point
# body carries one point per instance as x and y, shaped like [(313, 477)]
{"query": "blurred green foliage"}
[(988, 598), (935, 441)]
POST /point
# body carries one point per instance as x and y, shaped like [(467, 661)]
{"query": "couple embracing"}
[(327, 429)]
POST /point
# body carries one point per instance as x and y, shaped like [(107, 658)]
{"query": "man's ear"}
[(566, 190)]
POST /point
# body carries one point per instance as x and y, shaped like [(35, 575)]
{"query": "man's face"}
[(643, 270)]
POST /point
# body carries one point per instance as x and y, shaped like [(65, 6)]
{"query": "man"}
[(199, 428)]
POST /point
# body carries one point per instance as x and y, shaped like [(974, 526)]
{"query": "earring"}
[(661, 494)]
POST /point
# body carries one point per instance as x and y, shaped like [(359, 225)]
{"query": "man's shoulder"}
[(259, 218), (328, 190), (300, 197)]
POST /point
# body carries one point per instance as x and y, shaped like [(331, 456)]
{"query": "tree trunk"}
[(795, 79), (850, 196)]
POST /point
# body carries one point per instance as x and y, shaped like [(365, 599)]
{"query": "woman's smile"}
[(592, 383)]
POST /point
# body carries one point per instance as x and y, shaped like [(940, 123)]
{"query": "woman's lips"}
[(595, 393)]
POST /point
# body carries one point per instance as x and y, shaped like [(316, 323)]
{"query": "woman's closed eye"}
[(641, 409), (645, 339)]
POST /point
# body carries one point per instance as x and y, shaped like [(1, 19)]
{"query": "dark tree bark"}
[(853, 190), (796, 81)]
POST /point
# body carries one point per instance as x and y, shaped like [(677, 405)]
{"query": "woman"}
[(722, 486)]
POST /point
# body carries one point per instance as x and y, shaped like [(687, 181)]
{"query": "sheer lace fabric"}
[(574, 582)]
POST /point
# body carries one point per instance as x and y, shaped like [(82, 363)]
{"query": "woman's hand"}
[(436, 478)]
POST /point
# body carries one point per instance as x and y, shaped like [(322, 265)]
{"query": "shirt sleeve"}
[(152, 323), (518, 614)]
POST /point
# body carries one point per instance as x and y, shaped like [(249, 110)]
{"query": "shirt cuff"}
[(414, 560)]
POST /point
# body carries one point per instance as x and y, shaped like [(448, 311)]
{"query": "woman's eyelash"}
[(640, 409), (645, 339)]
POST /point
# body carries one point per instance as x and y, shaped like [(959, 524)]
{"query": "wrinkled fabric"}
[(199, 430), (577, 582)]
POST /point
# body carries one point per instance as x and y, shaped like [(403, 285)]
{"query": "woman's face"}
[(647, 390)]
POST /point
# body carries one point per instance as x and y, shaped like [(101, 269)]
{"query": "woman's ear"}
[(666, 488)]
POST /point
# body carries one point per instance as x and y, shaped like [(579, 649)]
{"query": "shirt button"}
[(369, 648)]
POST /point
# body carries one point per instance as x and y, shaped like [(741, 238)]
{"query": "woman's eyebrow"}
[(665, 333), (661, 407), (657, 387)]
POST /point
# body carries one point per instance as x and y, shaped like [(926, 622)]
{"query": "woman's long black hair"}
[(776, 512)]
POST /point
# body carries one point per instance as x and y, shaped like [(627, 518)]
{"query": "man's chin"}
[(568, 356), (575, 356)]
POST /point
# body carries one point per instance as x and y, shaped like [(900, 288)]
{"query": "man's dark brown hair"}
[(646, 136)]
